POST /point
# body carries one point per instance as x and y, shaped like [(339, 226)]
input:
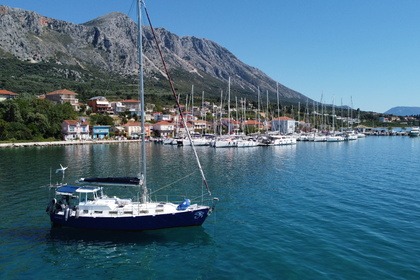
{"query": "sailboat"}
[(226, 141), (85, 205)]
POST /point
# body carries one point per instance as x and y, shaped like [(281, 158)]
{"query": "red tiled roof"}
[(130, 101), (283, 119), (62, 91), (6, 92), (136, 124), (164, 123), (74, 122), (251, 122), (132, 124)]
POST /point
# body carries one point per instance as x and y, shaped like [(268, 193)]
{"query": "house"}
[(232, 125), (199, 125), (63, 96), (100, 131), (118, 107), (383, 119), (100, 104), (251, 125), (158, 116), (5, 94), (163, 129), (131, 105), (75, 130), (182, 131), (133, 130), (284, 125)]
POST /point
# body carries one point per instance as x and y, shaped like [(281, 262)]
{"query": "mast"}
[(203, 112), (229, 107), (333, 114), (192, 106), (258, 110), (236, 105), (221, 113), (142, 183), (266, 117)]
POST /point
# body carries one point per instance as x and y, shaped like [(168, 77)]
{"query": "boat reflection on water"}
[(181, 236)]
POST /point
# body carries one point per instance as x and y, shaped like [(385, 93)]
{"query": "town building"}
[(75, 130), (163, 129), (99, 104), (132, 106), (100, 131), (283, 125), (133, 130), (63, 96), (158, 116), (5, 94)]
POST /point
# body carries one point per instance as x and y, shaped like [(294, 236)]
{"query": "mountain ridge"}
[(108, 43), (404, 111)]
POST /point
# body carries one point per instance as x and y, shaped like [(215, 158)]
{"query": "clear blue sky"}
[(367, 50)]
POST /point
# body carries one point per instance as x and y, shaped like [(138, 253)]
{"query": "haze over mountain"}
[(108, 43)]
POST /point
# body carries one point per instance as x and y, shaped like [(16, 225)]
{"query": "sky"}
[(351, 52)]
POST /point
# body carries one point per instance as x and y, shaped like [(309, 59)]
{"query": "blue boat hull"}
[(133, 223)]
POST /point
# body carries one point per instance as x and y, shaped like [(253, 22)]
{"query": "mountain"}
[(404, 111), (108, 45)]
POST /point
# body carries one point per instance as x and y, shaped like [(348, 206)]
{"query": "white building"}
[(75, 130), (284, 125)]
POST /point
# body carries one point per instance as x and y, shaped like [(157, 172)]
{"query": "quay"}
[(64, 143)]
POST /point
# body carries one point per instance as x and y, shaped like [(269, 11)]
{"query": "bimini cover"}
[(67, 190), (184, 205)]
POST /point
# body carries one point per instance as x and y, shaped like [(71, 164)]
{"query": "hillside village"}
[(205, 119), (159, 124)]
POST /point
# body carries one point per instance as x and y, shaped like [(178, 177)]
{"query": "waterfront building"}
[(163, 129), (100, 131), (75, 130), (284, 125)]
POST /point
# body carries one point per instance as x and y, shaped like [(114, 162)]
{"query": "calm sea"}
[(346, 210)]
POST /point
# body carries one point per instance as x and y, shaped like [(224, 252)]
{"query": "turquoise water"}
[(346, 210)]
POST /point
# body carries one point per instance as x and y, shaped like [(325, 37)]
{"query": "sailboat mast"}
[(258, 110), (221, 112), (192, 106), (229, 107), (144, 196)]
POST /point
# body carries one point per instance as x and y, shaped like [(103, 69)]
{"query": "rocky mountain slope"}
[(108, 43), (404, 111)]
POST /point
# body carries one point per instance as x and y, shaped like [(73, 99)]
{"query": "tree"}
[(101, 120)]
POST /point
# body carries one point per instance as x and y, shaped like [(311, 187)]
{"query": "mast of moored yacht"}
[(229, 107), (143, 185), (278, 106)]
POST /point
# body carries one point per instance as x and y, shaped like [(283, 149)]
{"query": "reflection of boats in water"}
[(195, 235)]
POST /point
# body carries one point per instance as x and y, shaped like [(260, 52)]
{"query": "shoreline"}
[(63, 143)]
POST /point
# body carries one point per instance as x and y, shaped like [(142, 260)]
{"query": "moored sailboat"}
[(85, 205)]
